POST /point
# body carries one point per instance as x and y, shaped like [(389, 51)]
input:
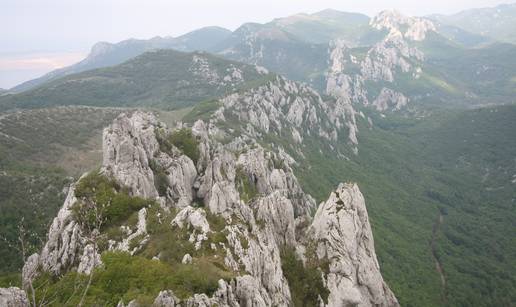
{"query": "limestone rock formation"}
[(393, 57), (128, 145), (13, 297), (64, 241), (412, 28), (343, 235), (253, 191), (389, 99)]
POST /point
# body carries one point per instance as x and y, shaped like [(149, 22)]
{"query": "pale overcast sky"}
[(40, 35)]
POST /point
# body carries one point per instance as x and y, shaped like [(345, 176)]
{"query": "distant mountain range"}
[(162, 78), (388, 57), (105, 54), (302, 31), (497, 23)]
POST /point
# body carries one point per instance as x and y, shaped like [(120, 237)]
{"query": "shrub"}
[(202, 110), (246, 188), (113, 201), (125, 277), (10, 280), (305, 283), (183, 139), (186, 142), (161, 181)]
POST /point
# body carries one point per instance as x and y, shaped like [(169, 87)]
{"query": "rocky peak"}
[(383, 63), (100, 48), (343, 236), (412, 28), (128, 146)]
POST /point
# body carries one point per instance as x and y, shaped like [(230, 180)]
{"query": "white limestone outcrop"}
[(343, 235), (13, 297), (413, 28), (128, 145), (390, 100)]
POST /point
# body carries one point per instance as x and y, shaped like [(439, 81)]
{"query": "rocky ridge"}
[(257, 195), (350, 72), (412, 28)]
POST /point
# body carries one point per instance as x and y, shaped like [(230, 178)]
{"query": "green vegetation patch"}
[(183, 139), (125, 277), (305, 282), (161, 182), (246, 188), (111, 201), (203, 111)]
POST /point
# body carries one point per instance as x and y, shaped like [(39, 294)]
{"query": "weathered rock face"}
[(284, 107), (343, 235), (412, 28), (382, 62), (389, 99), (128, 146), (389, 56), (252, 189), (202, 68), (13, 297), (64, 242), (396, 55), (277, 106)]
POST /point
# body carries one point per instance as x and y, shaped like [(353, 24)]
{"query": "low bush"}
[(183, 139), (246, 188), (305, 283), (186, 142), (109, 199), (161, 181), (125, 277)]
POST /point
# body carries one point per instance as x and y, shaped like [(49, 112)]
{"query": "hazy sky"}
[(40, 35)]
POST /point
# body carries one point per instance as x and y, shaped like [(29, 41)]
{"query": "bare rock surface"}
[(343, 235), (128, 145), (13, 297)]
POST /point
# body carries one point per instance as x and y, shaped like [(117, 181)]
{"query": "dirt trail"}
[(438, 265)]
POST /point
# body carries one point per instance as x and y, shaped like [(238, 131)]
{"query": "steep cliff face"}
[(342, 234), (253, 194)]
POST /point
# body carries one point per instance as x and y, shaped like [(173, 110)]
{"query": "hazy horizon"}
[(41, 36)]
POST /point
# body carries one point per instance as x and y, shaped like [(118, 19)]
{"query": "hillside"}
[(415, 68), (295, 46), (402, 166), (166, 79), (456, 166), (494, 22), (41, 152), (324, 26), (277, 50), (424, 179)]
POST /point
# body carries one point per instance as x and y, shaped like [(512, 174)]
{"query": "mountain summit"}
[(412, 28)]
